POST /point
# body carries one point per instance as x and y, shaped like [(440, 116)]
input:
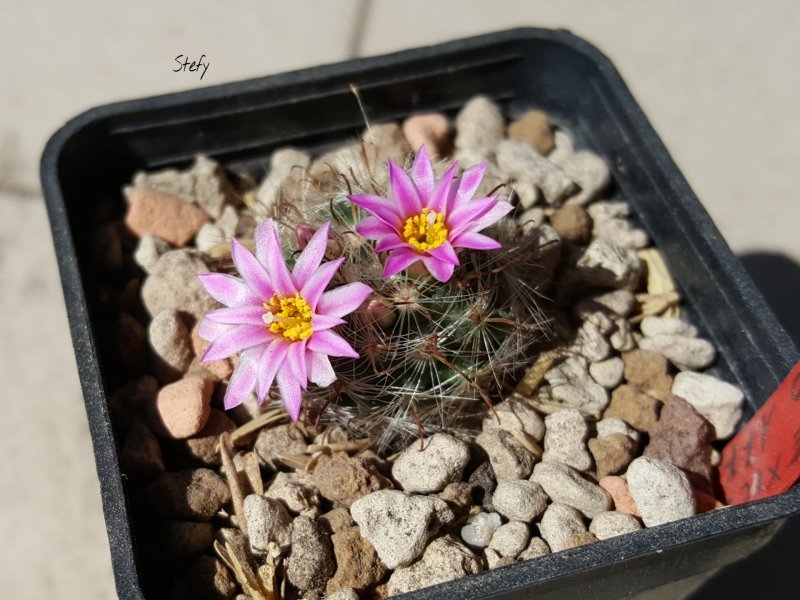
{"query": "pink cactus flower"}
[(424, 219), (280, 321)]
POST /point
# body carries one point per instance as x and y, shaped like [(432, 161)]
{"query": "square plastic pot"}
[(239, 124)]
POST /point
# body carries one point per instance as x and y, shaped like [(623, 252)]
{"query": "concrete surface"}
[(718, 79)]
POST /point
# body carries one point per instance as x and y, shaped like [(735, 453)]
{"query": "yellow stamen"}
[(425, 231), (289, 316)]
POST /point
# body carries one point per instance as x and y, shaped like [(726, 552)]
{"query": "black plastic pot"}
[(239, 124)]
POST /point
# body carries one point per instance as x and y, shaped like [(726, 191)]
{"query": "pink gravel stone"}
[(182, 408), (430, 129), (617, 488), (163, 215)]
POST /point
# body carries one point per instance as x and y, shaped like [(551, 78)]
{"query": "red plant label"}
[(763, 459)]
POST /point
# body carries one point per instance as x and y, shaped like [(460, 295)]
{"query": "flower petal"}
[(462, 217), (343, 300), (500, 210), (331, 343), (320, 279), (440, 269), (209, 330), (235, 340), (400, 259), (227, 289), (320, 370), (476, 241), (403, 192), (422, 173), (467, 186), (378, 207), (441, 191), (322, 322), (373, 228), (270, 361), (391, 243), (270, 255), (251, 270), (238, 315), (444, 253), (311, 256), (296, 363), (242, 381), (290, 393)]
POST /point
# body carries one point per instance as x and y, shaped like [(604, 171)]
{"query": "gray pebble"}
[(209, 237), (480, 528), (536, 547), (565, 440), (173, 283), (612, 523), (558, 524), (622, 233), (343, 594), (510, 539), (686, 353), (523, 163), (617, 303), (267, 521), (282, 163), (604, 264), (608, 209), (661, 491), (591, 343), (519, 500), (515, 416), (622, 339), (565, 485), (480, 126), (495, 560), (587, 170), (508, 457), (399, 525), (613, 425), (572, 386), (608, 373), (653, 325), (718, 401), (430, 470), (297, 491), (171, 344), (444, 560), (311, 562), (149, 249)]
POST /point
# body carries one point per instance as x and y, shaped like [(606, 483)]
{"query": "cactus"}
[(433, 355)]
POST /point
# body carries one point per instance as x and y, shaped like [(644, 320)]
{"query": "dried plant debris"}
[(548, 395)]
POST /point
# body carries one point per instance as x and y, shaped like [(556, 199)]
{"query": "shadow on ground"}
[(772, 571)]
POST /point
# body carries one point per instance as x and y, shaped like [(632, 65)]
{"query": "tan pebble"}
[(573, 223), (634, 407), (219, 368), (706, 502), (617, 488), (163, 215), (182, 408), (579, 539), (649, 371), (534, 127), (612, 453), (429, 129)]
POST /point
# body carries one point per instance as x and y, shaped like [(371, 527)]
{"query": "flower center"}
[(425, 231), (289, 316)]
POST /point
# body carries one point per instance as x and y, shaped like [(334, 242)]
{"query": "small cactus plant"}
[(434, 351)]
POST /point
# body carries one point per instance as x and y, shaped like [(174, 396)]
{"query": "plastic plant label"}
[(763, 459)]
